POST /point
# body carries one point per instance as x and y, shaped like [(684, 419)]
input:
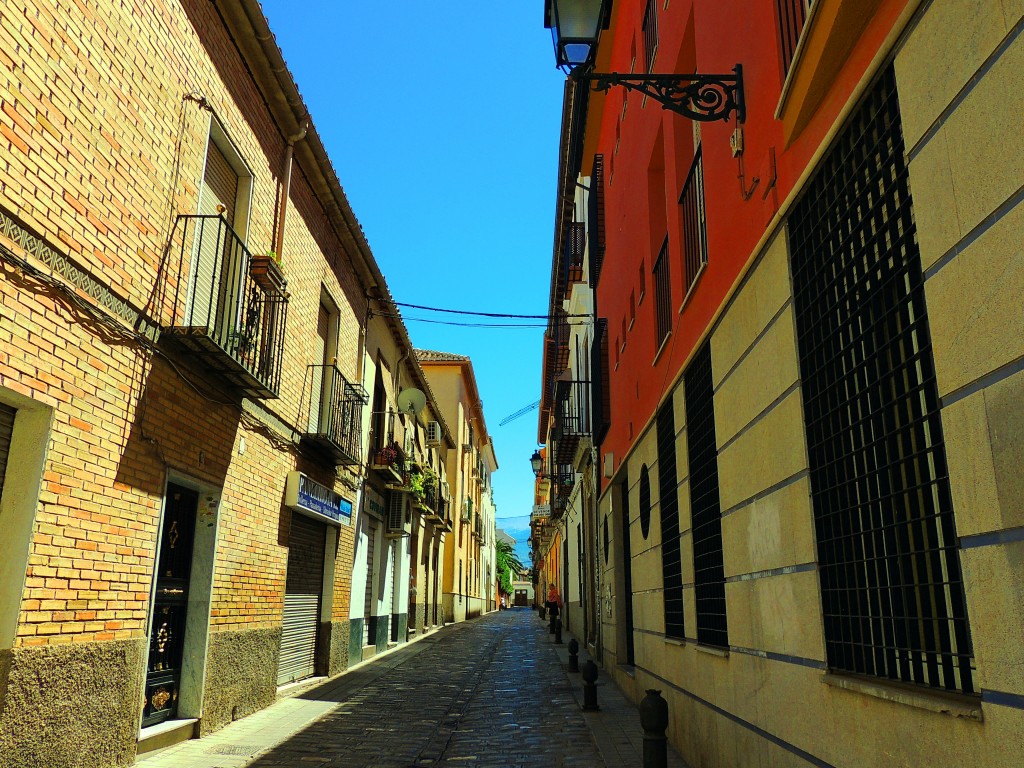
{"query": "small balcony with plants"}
[(224, 317), (388, 458), (332, 411)]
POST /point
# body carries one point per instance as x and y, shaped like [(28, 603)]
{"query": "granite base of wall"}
[(71, 706), (381, 632), (338, 642), (355, 641), (402, 622), (241, 676)]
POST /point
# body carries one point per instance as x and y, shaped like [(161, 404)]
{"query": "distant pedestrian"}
[(554, 602)]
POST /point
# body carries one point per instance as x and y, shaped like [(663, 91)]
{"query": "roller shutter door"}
[(6, 428), (371, 537), (220, 187), (303, 594)]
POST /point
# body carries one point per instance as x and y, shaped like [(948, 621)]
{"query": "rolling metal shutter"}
[(220, 188), (371, 537), (303, 592), (6, 428)]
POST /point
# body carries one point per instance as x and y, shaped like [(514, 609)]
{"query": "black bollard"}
[(541, 612), (654, 719), (558, 631), (551, 621), (589, 689), (574, 659)]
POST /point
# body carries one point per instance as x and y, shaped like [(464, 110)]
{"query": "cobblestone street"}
[(488, 692)]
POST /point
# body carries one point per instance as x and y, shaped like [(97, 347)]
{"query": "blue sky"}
[(442, 122)]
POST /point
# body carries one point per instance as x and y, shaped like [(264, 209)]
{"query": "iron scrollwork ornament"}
[(704, 98)]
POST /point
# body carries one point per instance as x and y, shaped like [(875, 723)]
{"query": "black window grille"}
[(662, 294), (892, 589), (705, 509), (791, 15), (601, 416), (645, 501), (650, 30), (595, 219), (668, 504), (691, 203)]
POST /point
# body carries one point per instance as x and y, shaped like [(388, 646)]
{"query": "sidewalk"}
[(489, 692)]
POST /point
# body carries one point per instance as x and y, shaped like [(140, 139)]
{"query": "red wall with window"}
[(648, 153)]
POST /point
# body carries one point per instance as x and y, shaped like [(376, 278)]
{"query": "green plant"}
[(416, 484), (274, 257), (430, 479), (508, 564)]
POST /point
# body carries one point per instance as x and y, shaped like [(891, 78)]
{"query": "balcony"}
[(563, 479), (221, 315), (571, 419), (332, 410), (387, 457)]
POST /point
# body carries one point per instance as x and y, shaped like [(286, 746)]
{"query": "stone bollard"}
[(574, 659), (589, 689), (558, 631), (654, 719)]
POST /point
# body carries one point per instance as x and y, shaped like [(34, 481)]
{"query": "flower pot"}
[(267, 273)]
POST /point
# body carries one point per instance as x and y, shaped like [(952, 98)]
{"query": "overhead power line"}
[(480, 314)]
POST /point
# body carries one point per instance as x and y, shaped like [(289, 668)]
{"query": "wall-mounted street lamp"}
[(576, 29), (537, 463)]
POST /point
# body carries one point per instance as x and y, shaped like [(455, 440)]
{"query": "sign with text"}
[(315, 500)]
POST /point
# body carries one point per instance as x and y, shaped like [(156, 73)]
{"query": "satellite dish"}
[(411, 401)]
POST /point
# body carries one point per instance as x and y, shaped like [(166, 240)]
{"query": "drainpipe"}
[(286, 186)]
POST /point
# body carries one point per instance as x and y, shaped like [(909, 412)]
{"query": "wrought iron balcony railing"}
[(572, 414), (221, 314), (333, 414)]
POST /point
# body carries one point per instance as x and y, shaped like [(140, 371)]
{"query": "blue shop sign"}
[(315, 500)]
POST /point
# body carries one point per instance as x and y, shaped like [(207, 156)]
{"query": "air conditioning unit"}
[(446, 491), (396, 514), (433, 433)]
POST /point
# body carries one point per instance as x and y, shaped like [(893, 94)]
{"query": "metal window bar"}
[(337, 416), (575, 243), (668, 498), (705, 507), (232, 313), (892, 588), (662, 294), (691, 203), (595, 219), (650, 32), (791, 15), (600, 384)]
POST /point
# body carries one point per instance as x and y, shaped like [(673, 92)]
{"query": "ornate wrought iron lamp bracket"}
[(699, 97)]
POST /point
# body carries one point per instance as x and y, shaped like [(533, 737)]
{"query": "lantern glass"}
[(536, 462), (575, 30)]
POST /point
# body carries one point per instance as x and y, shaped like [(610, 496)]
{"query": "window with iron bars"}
[(668, 503), (705, 508), (791, 15), (694, 236), (889, 563), (662, 295), (650, 31)]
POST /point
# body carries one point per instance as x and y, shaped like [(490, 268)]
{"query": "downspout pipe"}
[(286, 186)]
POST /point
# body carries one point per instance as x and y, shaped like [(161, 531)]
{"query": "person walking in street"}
[(554, 602)]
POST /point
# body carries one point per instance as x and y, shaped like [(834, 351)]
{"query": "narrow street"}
[(489, 692)]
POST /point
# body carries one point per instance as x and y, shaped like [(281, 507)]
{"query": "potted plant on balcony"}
[(266, 270), (416, 486)]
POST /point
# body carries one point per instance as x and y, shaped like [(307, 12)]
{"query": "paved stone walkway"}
[(488, 693)]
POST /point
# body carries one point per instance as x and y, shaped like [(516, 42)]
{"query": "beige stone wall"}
[(966, 155)]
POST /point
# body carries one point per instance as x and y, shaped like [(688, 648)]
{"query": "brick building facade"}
[(178, 482)]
